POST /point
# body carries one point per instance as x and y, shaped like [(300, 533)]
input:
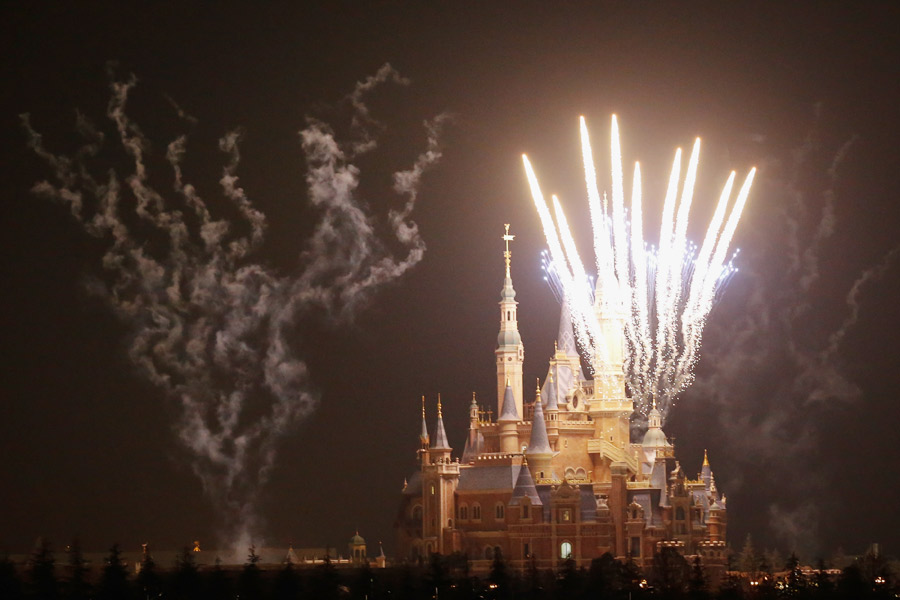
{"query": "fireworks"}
[(655, 300)]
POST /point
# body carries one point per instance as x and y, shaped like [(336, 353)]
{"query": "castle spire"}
[(440, 435), (510, 352), (423, 435)]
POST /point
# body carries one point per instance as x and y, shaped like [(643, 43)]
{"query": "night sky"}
[(796, 392)]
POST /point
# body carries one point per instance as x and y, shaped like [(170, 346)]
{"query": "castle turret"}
[(706, 471), (423, 434), (539, 452), (509, 437), (510, 352), (440, 449)]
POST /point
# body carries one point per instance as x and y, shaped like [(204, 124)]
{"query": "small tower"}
[(357, 547), (509, 436), (510, 352), (440, 449), (539, 453)]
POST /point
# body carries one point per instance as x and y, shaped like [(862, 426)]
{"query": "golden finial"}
[(538, 380), (439, 405), (550, 376), (507, 238), (705, 458), (555, 347), (423, 407)]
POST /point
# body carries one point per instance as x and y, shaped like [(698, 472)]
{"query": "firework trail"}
[(211, 326), (657, 300)]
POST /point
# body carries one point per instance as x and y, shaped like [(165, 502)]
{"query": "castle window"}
[(450, 523), (565, 515), (432, 489), (679, 514), (635, 547), (565, 550), (463, 512), (526, 550), (524, 511), (476, 511), (417, 513), (499, 511)]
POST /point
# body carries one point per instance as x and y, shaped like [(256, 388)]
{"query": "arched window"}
[(580, 473), (476, 511), (679, 514), (417, 513), (463, 512), (565, 550), (499, 511), (525, 511)]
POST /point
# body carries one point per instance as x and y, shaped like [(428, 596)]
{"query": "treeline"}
[(670, 577)]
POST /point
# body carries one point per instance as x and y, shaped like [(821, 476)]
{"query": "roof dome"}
[(357, 540), (655, 438)]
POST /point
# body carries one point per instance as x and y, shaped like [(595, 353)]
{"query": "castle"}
[(558, 478)]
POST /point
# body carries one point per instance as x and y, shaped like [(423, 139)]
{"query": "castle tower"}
[(509, 436), (539, 453), (440, 478), (510, 351)]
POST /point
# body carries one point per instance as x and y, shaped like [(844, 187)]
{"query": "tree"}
[(10, 586), (77, 587), (44, 585), (670, 572), (250, 581), (824, 588), (148, 580), (698, 587), (114, 581), (748, 560), (287, 583), (218, 584), (185, 582), (796, 584), (499, 577)]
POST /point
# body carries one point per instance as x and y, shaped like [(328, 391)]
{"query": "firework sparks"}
[(657, 300)]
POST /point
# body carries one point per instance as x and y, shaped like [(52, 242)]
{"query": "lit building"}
[(557, 477)]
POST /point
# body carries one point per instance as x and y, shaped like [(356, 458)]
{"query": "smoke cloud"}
[(774, 363), (212, 325)]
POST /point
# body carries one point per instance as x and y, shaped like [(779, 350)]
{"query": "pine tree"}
[(114, 581), (10, 586), (185, 584), (698, 588), (44, 585), (77, 587), (148, 580), (250, 581), (748, 560)]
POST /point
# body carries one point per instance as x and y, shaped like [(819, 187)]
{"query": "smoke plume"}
[(776, 365), (212, 326)]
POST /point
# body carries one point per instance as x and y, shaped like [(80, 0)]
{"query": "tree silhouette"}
[(670, 573), (698, 587), (250, 581), (10, 586), (114, 581), (185, 583), (42, 572), (77, 586), (148, 579), (218, 585)]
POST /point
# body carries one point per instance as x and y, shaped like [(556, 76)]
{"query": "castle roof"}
[(509, 412), (525, 488), (539, 443), (440, 435), (484, 478)]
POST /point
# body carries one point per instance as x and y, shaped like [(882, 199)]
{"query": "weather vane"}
[(507, 238)]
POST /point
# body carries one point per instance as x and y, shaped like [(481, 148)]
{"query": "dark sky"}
[(796, 395)]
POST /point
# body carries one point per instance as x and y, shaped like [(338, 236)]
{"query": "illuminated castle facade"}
[(557, 477)]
